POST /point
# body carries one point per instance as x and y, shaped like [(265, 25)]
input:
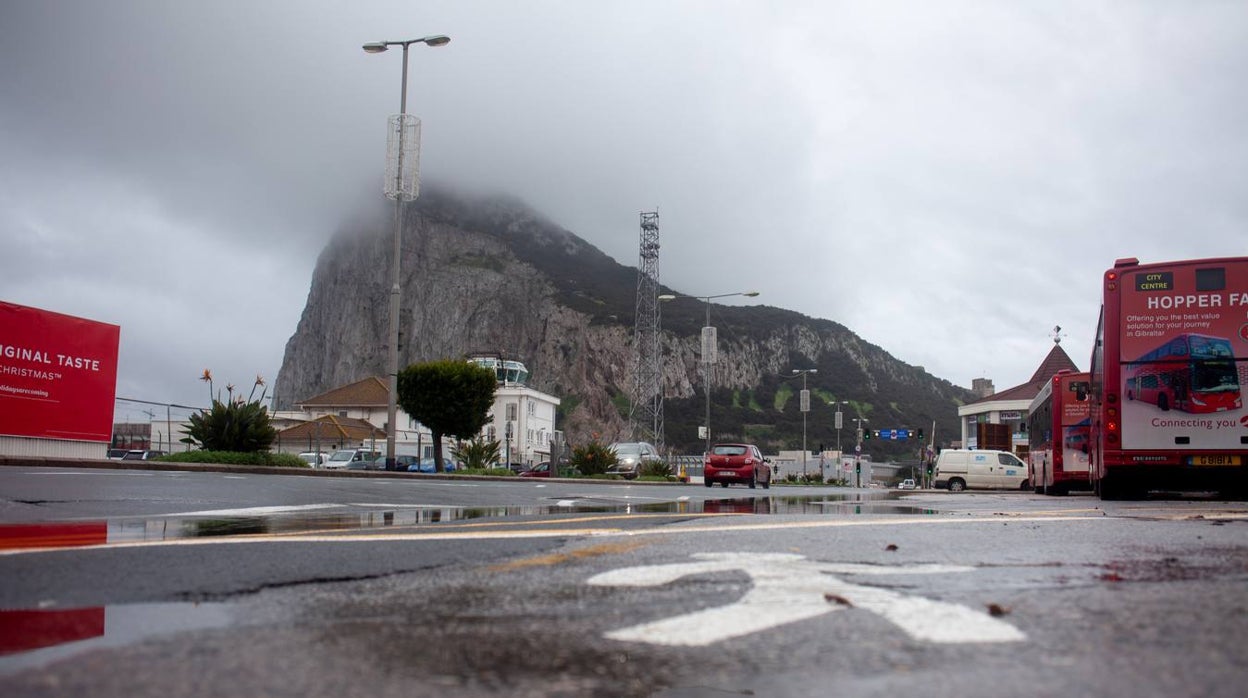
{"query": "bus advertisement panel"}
[(1169, 367), (1059, 430), (58, 375), (1184, 345)]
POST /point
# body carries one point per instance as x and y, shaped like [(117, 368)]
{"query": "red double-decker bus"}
[(1191, 372), (1168, 366), (1059, 432)]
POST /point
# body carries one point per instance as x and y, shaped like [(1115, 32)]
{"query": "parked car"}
[(736, 463), (401, 462), (313, 458), (631, 456), (340, 459), (141, 455), (540, 470), (543, 470), (427, 465), (116, 453), (378, 463), (907, 484)]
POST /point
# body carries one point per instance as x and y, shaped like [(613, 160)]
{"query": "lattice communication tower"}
[(646, 414)]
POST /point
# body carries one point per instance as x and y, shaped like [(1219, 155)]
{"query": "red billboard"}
[(58, 375)]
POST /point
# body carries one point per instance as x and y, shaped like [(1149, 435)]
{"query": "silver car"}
[(631, 456)]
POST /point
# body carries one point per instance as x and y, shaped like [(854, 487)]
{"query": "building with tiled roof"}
[(522, 419), (1007, 410), (329, 433)]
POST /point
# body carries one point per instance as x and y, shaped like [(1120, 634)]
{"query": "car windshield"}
[(728, 450), (342, 455), (626, 449)]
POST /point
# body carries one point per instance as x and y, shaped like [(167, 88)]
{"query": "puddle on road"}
[(128, 530), (35, 637)]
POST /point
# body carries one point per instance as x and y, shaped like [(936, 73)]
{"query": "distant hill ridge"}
[(488, 273)]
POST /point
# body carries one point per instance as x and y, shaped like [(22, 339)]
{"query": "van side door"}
[(1009, 472)]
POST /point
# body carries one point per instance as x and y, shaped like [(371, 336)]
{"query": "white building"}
[(522, 419)]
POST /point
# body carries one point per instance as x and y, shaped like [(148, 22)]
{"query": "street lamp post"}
[(402, 190), (708, 347), (804, 406)]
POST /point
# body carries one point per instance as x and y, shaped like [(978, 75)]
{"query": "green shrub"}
[(495, 472), (656, 468), (476, 454), (263, 458), (232, 424), (593, 458)]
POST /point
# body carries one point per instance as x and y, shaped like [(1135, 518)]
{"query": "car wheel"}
[(710, 483), (956, 485)]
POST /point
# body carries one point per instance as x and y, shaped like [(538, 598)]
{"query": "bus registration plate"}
[(1215, 460)]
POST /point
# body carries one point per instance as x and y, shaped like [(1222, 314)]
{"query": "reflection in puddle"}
[(353, 518), (31, 638)]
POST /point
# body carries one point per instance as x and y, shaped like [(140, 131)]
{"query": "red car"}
[(540, 470), (740, 463)]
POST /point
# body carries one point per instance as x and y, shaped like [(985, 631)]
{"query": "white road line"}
[(252, 511)]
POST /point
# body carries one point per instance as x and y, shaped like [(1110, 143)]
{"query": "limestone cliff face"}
[(490, 275)]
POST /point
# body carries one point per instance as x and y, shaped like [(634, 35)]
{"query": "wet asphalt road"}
[(197, 586)]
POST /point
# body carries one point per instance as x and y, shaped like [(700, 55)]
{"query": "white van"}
[(959, 470)]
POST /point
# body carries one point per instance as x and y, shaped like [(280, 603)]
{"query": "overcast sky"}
[(947, 179)]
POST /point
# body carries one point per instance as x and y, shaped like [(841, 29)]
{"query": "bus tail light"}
[(1111, 420)]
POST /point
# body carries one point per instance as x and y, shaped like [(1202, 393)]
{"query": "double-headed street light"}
[(708, 347), (804, 405), (838, 404), (858, 452), (401, 184)]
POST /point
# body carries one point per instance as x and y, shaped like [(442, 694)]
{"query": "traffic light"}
[(858, 467), (866, 434), (930, 466), (920, 435)]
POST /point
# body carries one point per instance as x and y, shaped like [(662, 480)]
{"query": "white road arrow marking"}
[(788, 588)]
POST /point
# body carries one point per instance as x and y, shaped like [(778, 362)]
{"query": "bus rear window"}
[(1213, 279)]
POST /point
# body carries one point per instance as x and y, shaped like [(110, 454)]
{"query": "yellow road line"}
[(556, 533)]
